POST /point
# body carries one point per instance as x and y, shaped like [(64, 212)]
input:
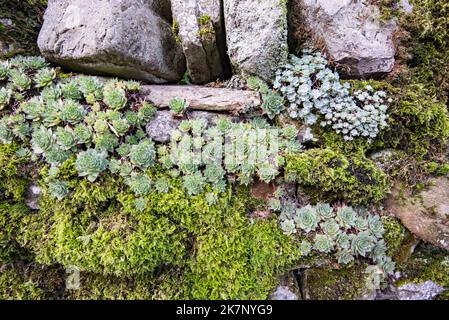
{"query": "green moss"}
[(26, 17), (29, 282), (398, 239), (344, 284), (329, 175), (240, 263), (427, 263)]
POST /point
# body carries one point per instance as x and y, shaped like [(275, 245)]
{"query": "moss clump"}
[(343, 284), (100, 287), (398, 239), (329, 175), (427, 263), (27, 281), (22, 21), (240, 263)]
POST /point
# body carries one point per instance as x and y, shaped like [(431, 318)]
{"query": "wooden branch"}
[(202, 98)]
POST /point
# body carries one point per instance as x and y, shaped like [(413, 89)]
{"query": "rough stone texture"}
[(426, 215), (283, 293), (123, 38), (350, 31), (163, 9), (256, 35), (203, 98), (262, 190), (422, 291), (33, 196), (201, 32), (164, 122)]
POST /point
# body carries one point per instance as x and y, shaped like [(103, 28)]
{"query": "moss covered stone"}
[(20, 22), (344, 284), (329, 175)]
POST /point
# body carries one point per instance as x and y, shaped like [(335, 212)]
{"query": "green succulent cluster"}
[(178, 105), (81, 118), (211, 153), (342, 231)]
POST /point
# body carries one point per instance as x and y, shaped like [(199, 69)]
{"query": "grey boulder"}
[(422, 291), (256, 36), (201, 32), (351, 32), (124, 38)]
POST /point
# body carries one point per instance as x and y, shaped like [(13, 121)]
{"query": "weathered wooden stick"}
[(202, 98)]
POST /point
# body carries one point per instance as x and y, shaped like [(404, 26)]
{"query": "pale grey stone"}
[(124, 38), (422, 291)]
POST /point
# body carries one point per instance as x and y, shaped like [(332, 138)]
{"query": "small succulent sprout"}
[(140, 204), (132, 86), (70, 90), (267, 172), (273, 104), (346, 216), (101, 126), (72, 112), (5, 97), (42, 139), (4, 71), (91, 88), (214, 173), (114, 98), (275, 204), (34, 63), (178, 105), (58, 189), (20, 80), (65, 138), (198, 126), (114, 165), (51, 94), (290, 132), (143, 154), (6, 136), (305, 247), (132, 118), (307, 218), (344, 256), (331, 228), (140, 184), (323, 243), (344, 240), (83, 134), (288, 226), (162, 185), (146, 112), (375, 226), (380, 250), (211, 198), (387, 265), (120, 127), (23, 153), (44, 77), (325, 211), (126, 169), (124, 149), (363, 243), (91, 163), (361, 223), (224, 125), (32, 108), (56, 155), (194, 183), (185, 126), (106, 141)]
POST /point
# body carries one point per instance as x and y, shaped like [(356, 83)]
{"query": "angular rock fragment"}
[(201, 32), (350, 31), (122, 38), (256, 34)]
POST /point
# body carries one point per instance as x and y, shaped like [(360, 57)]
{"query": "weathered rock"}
[(283, 293), (123, 38), (160, 127), (203, 98), (350, 31), (163, 9), (422, 291), (256, 35), (33, 197), (426, 215), (201, 32), (262, 190)]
